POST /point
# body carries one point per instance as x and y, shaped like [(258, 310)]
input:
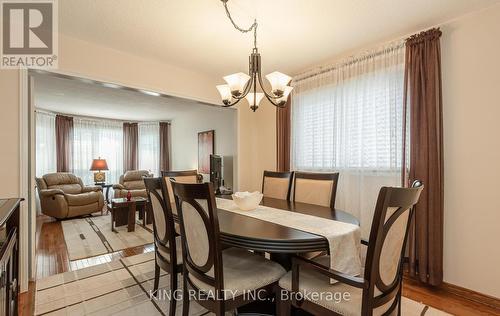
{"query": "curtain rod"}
[(96, 117), (350, 60)]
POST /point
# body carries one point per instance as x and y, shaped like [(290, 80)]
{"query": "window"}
[(45, 143), (94, 139), (349, 119), (149, 147)]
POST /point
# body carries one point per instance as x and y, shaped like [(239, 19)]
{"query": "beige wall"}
[(9, 133), (471, 90), (256, 144)]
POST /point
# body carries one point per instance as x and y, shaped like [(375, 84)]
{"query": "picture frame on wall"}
[(206, 147)]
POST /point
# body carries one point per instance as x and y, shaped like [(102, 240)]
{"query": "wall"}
[(9, 133), (256, 144), (185, 128), (470, 70)]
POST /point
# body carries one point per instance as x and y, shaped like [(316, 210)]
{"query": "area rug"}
[(92, 236), (123, 286)]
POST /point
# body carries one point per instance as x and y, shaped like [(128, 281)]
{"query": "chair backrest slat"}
[(315, 188), (388, 235), (277, 184)]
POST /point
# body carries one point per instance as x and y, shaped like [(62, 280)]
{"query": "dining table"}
[(255, 234), (238, 230)]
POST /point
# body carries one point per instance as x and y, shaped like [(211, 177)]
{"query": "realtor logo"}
[(29, 34)]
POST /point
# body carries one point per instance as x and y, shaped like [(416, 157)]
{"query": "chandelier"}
[(242, 86)]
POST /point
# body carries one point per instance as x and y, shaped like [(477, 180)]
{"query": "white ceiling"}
[(75, 97), (293, 34)]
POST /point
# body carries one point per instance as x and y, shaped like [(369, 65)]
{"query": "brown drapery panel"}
[(64, 143), (130, 144), (283, 135), (423, 101), (164, 146)]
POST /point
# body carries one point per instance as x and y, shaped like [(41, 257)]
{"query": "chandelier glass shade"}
[(244, 86)]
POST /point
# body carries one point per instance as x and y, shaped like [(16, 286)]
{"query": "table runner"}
[(344, 239)]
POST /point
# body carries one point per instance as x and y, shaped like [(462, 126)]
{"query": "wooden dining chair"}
[(277, 185), (218, 277), (168, 250), (315, 188), (184, 176), (378, 290)]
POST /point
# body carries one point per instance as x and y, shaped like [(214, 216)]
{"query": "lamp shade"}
[(258, 97), (237, 82), (225, 92), (278, 81), (284, 98), (99, 164)]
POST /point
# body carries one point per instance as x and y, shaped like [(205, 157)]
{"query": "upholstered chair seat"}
[(64, 195), (315, 282), (132, 181), (243, 272)]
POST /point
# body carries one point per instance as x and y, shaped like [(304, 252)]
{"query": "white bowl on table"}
[(247, 201)]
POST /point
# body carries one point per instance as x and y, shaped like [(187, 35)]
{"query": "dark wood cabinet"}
[(9, 255)]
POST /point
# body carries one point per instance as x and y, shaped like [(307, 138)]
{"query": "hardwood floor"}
[(52, 258)]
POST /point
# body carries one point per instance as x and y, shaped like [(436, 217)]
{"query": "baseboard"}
[(471, 295), (462, 292)]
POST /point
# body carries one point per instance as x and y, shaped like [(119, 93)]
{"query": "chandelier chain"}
[(242, 30)]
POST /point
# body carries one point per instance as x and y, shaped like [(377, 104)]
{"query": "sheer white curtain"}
[(95, 138), (45, 143), (149, 147), (348, 118)]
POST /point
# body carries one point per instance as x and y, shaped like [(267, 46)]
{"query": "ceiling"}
[(293, 34), (72, 96)]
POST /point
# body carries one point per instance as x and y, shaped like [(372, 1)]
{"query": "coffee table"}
[(123, 212)]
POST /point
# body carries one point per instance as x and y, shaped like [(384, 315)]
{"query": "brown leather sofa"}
[(63, 195), (132, 181)]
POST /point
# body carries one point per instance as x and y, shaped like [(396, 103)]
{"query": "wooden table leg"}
[(284, 259), (131, 217), (113, 221)]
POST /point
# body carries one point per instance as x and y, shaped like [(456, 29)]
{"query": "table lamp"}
[(99, 165)]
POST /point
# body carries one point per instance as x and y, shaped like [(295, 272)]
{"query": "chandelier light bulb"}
[(279, 81), (225, 93), (286, 93), (258, 98), (237, 83)]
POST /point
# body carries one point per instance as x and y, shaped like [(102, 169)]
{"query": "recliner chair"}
[(132, 181), (64, 195)]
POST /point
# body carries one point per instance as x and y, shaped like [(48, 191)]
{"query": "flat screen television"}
[(216, 171)]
